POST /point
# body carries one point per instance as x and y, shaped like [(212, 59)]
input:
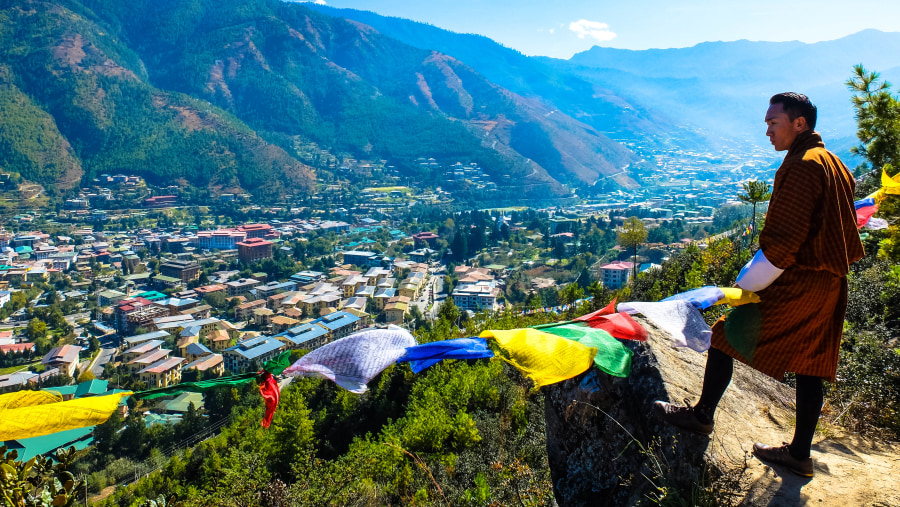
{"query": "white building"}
[(476, 297), (615, 275)]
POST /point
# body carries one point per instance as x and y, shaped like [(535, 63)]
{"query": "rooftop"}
[(255, 347), (163, 365)]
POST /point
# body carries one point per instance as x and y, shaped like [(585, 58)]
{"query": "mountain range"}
[(718, 90), (234, 95)]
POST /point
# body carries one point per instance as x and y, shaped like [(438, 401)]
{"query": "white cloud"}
[(552, 30), (320, 2), (594, 29)]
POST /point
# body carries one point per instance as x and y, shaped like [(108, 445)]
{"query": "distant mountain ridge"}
[(721, 87), (724, 85), (526, 76)]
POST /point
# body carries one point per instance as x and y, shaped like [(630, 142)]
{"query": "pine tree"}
[(877, 117)]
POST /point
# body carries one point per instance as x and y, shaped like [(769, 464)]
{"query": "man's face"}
[(781, 130)]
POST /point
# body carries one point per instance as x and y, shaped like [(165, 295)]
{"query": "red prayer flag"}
[(609, 309), (620, 325), (864, 214), (270, 393)]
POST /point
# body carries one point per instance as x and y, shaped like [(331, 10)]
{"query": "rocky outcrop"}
[(606, 447)]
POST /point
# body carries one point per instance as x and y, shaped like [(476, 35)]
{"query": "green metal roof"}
[(181, 403), (62, 390), (91, 388), (31, 447)]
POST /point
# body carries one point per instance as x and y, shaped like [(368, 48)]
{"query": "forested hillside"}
[(82, 103), (222, 95)]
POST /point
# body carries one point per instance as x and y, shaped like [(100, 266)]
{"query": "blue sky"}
[(562, 28)]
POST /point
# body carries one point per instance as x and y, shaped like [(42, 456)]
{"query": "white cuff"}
[(758, 274)]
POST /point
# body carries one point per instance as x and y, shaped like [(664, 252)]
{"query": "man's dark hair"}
[(796, 105)]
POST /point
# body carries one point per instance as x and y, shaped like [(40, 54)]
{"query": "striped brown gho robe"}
[(811, 233)]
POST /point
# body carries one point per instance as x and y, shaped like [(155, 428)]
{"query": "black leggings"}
[(810, 395)]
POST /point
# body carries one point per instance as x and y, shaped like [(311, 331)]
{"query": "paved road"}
[(105, 356), (439, 297)]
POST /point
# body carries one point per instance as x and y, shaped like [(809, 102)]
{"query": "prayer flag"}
[(620, 325), (701, 298), (607, 310), (612, 356), (543, 357), (271, 393), (888, 184), (196, 387), (735, 296), (426, 355), (864, 214), (864, 203), (279, 363), (876, 224), (353, 361), (38, 416), (28, 399), (678, 318)]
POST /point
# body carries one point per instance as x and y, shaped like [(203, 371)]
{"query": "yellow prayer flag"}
[(28, 399), (737, 297), (543, 357), (35, 420), (890, 185), (877, 195)]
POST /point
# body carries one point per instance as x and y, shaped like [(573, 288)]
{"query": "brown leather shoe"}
[(682, 417), (782, 455)]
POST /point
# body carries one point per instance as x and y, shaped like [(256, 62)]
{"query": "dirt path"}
[(850, 471)]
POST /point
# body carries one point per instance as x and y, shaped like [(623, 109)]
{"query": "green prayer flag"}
[(279, 363), (195, 387), (612, 356)]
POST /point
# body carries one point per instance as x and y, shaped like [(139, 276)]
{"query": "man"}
[(800, 274)]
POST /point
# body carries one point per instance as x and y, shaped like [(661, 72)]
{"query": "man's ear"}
[(800, 124)]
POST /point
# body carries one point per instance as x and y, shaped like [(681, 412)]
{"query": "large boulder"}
[(607, 447)]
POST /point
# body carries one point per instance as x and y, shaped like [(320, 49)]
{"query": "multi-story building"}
[(361, 258), (245, 311), (308, 277), (133, 313), (141, 349), (150, 358), (64, 357), (251, 353), (305, 336), (383, 296), (615, 275), (163, 373), (258, 231), (186, 271), (222, 239), (241, 287), (352, 284), (476, 297), (254, 249), (160, 201), (426, 239), (339, 324), (214, 363)]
